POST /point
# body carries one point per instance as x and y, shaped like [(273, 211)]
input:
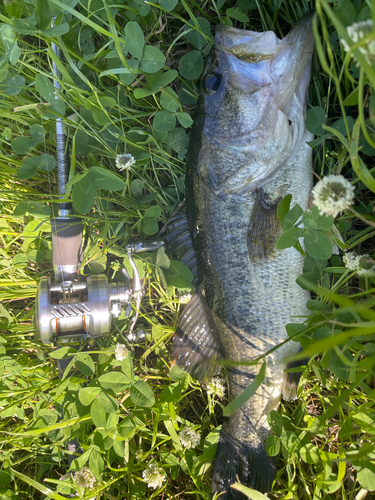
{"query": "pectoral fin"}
[(291, 379), (264, 229), (195, 347)]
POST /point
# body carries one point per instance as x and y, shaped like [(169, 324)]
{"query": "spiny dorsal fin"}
[(195, 347), (264, 229)]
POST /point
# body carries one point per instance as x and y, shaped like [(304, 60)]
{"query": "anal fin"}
[(195, 347)]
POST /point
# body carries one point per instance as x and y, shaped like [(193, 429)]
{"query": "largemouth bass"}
[(248, 150)]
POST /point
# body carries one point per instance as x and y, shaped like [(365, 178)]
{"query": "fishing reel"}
[(77, 310)]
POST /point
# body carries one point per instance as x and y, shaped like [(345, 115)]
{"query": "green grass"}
[(121, 96)]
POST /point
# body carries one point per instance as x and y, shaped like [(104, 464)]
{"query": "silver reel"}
[(78, 309)]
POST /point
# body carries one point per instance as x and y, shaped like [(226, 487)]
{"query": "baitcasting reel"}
[(77, 310), (71, 309)]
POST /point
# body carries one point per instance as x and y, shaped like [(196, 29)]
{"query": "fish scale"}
[(248, 150)]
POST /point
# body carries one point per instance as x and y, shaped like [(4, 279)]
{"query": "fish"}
[(248, 150)]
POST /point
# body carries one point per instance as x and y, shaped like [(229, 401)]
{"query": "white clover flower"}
[(154, 476), (216, 387), (351, 261), (189, 437), (185, 299), (362, 264), (357, 32), (85, 478), (124, 161), (120, 352), (333, 194)]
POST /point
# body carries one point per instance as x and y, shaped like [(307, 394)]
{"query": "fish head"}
[(253, 100)]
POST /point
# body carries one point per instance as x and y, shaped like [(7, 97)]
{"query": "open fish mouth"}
[(257, 60)]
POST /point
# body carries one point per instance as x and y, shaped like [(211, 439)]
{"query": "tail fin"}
[(235, 459)]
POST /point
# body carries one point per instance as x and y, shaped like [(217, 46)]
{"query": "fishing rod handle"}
[(66, 247)]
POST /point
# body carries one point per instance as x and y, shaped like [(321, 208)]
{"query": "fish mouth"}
[(258, 60), (249, 46)]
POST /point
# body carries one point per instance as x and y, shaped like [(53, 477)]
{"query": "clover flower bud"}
[(120, 352), (216, 387), (85, 478), (185, 299), (357, 32), (362, 264)]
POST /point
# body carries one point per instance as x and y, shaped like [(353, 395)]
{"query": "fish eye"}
[(212, 82)]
